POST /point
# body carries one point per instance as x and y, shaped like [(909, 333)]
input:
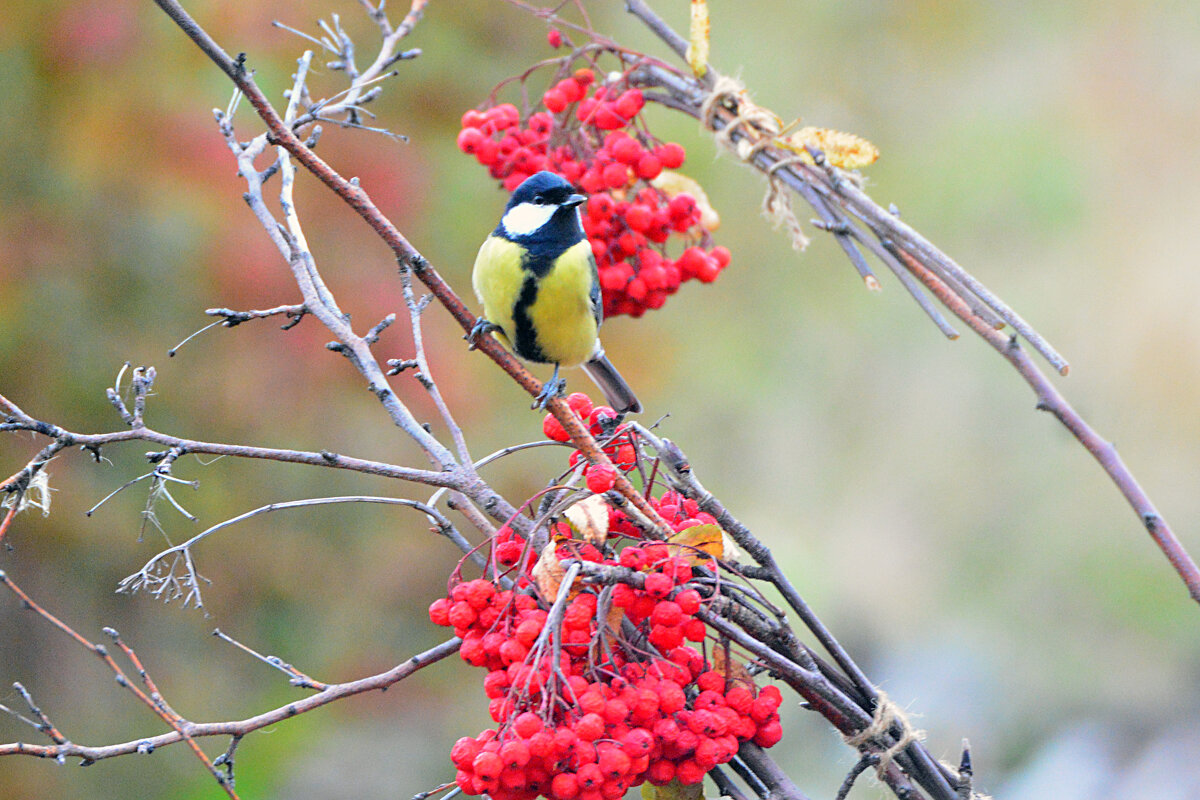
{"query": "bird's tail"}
[(616, 390)]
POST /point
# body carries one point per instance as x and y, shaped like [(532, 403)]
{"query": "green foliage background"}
[(966, 550)]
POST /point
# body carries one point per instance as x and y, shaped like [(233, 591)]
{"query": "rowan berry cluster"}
[(601, 422), (599, 719), (594, 136)]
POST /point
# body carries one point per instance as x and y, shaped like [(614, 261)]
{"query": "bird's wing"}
[(594, 294)]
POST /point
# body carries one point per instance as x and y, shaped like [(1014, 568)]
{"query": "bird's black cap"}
[(545, 188)]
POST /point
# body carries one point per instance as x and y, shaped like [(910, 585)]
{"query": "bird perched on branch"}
[(536, 278)]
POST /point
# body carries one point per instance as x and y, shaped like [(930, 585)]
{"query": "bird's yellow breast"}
[(550, 319), (497, 279)]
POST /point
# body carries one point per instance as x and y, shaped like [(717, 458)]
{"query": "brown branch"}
[(960, 292), (238, 728), (323, 458), (1050, 399), (406, 255), (184, 730)]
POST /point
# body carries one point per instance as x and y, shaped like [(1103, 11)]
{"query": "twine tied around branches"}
[(759, 128), (886, 713)]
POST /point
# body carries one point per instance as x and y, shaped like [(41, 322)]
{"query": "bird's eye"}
[(539, 200)]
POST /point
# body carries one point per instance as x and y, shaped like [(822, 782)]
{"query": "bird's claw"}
[(481, 328), (555, 387)]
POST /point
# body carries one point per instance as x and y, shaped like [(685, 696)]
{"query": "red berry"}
[(632, 558), (639, 218), (514, 754), (509, 553), (659, 585), (469, 139), (637, 742), (473, 118), (580, 403), (666, 637), (591, 701), (554, 430), (607, 118), (601, 477), (721, 254), (711, 681), (613, 763), (554, 100), (590, 727), (623, 595), (464, 751), (591, 181), (695, 630), (495, 684), (554, 38), (671, 155), (667, 612), (769, 734), (590, 777), (461, 614), (572, 89), (629, 103), (565, 786), (708, 271), (660, 773), (488, 152), (689, 601), (626, 150), (439, 611), (649, 167), (488, 766), (616, 175), (586, 109)]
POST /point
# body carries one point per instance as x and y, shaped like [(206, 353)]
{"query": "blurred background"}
[(966, 550)]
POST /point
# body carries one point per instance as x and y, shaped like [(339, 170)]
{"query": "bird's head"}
[(541, 198)]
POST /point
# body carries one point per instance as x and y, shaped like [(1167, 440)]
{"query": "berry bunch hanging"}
[(594, 136), (605, 684)]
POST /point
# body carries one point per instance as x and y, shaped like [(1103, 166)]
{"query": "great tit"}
[(537, 280)]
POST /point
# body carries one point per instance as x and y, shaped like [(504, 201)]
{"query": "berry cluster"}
[(600, 421), (591, 136), (600, 720)]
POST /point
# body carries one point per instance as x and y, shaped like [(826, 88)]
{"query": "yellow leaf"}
[(845, 150), (698, 544), (673, 183), (589, 518), (672, 791), (697, 52)]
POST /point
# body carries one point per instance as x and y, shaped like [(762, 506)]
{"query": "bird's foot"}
[(481, 328), (555, 387)]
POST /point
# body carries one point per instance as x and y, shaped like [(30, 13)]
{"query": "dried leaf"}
[(734, 671), (697, 52), (845, 150), (548, 572), (589, 518), (672, 791), (698, 544), (673, 183), (613, 620)]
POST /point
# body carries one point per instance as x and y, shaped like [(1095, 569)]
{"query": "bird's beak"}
[(574, 200)]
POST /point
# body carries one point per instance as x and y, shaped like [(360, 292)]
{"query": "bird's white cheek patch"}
[(524, 219)]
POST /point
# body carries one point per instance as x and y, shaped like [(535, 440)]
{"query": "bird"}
[(536, 278)]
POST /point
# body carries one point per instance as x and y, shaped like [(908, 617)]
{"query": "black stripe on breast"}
[(525, 341)]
